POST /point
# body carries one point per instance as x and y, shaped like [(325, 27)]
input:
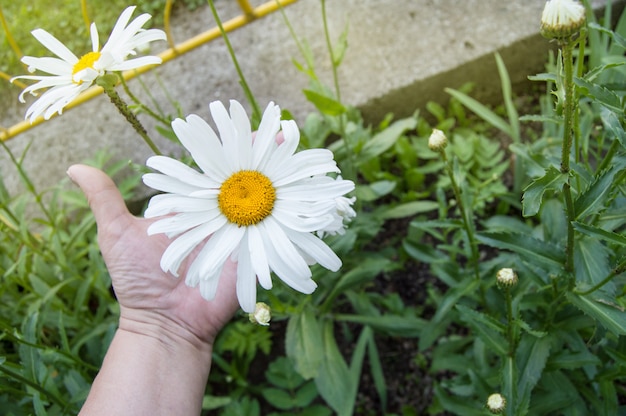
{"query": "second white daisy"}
[(70, 75), (256, 202)]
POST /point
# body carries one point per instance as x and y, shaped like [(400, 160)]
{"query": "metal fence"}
[(175, 50)]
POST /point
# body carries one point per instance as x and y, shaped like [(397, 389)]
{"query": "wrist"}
[(167, 332)]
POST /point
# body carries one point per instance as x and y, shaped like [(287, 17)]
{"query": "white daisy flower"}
[(256, 202), (70, 75)]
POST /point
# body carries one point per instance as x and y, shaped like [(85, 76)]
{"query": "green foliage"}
[(498, 196), (57, 311)]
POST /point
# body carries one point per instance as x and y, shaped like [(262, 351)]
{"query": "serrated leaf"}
[(532, 249), (532, 355), (591, 262), (609, 317), (612, 123), (326, 105), (599, 233), (487, 330), (602, 95), (552, 180), (592, 199), (617, 38), (385, 139)]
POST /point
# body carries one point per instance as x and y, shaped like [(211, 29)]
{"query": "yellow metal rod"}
[(167, 55)]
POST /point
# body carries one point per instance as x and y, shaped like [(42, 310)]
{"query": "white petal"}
[(244, 134), (164, 204), (246, 282), (180, 171), (134, 63), (95, 40), (55, 46), (203, 145), (166, 183), (172, 226), (50, 65), (299, 223), (315, 248), (315, 189), (259, 257), (208, 287), (227, 133), (302, 165), (180, 248), (265, 139), (220, 246), (284, 259)]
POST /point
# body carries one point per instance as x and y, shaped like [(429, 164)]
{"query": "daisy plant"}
[(69, 75), (257, 202)]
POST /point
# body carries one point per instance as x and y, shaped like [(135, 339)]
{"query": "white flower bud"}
[(262, 314), (506, 277), (496, 403), (437, 141), (562, 18)]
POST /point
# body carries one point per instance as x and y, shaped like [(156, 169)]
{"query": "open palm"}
[(146, 294)]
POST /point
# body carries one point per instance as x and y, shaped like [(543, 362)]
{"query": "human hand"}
[(151, 302)]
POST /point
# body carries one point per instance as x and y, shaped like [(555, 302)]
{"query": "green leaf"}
[(532, 249), (363, 272), (601, 94), (482, 111), (279, 398), (333, 381), (612, 318), (591, 262), (592, 199), (374, 190), (385, 139), (599, 233), (532, 355), (405, 326), (339, 50), (326, 105), (303, 343), (612, 123), (553, 180), (486, 329), (409, 209), (376, 370), (214, 402)]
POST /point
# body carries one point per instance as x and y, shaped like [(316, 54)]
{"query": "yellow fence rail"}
[(249, 14)]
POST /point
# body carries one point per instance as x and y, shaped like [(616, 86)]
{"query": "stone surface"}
[(401, 54)]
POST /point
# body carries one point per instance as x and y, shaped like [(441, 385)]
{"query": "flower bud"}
[(496, 403), (437, 141), (506, 277), (562, 18), (262, 314)]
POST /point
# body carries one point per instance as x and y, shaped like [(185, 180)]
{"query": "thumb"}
[(103, 197)]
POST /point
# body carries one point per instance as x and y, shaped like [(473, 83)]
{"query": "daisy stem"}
[(122, 107), (242, 79), (568, 114), (465, 215), (143, 107)]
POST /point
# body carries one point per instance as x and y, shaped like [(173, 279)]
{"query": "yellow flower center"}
[(246, 198), (86, 61)]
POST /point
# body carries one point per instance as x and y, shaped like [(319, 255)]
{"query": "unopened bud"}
[(506, 277), (562, 18), (437, 141), (496, 403), (262, 314)]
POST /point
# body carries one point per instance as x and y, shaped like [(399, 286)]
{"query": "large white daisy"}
[(70, 75), (256, 202)]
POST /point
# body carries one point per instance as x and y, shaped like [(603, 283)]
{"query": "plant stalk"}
[(568, 115), (122, 107)]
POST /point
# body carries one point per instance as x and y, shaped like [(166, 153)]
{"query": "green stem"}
[(242, 79), (467, 224), (330, 50), (136, 100), (509, 317), (115, 98), (568, 113), (616, 271)]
